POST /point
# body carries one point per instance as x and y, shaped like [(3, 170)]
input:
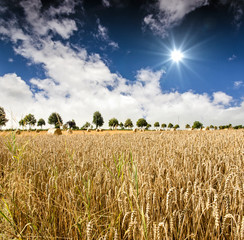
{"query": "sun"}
[(177, 55)]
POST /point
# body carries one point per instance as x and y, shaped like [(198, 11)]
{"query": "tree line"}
[(56, 120)]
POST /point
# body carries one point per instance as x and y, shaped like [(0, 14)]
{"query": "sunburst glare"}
[(177, 55)]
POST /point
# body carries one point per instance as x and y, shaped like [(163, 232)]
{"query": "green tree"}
[(156, 124), (121, 125), (30, 120), (113, 122), (187, 126), (71, 124), (197, 125), (3, 119), (56, 120), (41, 122), (176, 126), (128, 123), (163, 125), (86, 125), (98, 119), (141, 123), (148, 126), (238, 127), (170, 125), (22, 123)]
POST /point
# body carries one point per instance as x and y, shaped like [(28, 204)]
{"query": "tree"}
[(30, 120), (156, 124), (22, 123), (97, 119), (170, 125), (128, 123), (176, 126), (141, 123), (86, 125), (148, 126), (197, 125), (163, 125), (41, 122), (71, 124), (55, 119), (187, 126), (238, 127), (121, 125), (3, 118), (211, 127), (113, 122)]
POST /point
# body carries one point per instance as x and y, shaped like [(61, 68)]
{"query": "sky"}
[(76, 57)]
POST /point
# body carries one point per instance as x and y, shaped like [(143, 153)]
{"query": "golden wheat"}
[(145, 185)]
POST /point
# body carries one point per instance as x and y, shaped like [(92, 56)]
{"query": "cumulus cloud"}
[(170, 13), (66, 7), (78, 83), (222, 98), (166, 14), (15, 95), (13, 87), (143, 98), (43, 22)]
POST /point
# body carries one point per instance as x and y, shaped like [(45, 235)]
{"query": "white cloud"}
[(9, 29), (16, 97), (144, 98), (10, 60), (238, 16), (237, 8), (66, 7), (102, 34), (43, 22), (102, 31), (13, 87), (238, 84), (222, 98), (76, 85), (170, 13), (232, 58), (106, 3), (177, 9)]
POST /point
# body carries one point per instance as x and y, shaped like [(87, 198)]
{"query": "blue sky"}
[(77, 57)]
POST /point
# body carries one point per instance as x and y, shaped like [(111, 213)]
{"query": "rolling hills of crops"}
[(150, 185)]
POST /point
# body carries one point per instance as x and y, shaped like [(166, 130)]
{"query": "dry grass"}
[(170, 185), (64, 132)]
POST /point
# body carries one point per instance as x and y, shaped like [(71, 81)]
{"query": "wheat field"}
[(151, 185)]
